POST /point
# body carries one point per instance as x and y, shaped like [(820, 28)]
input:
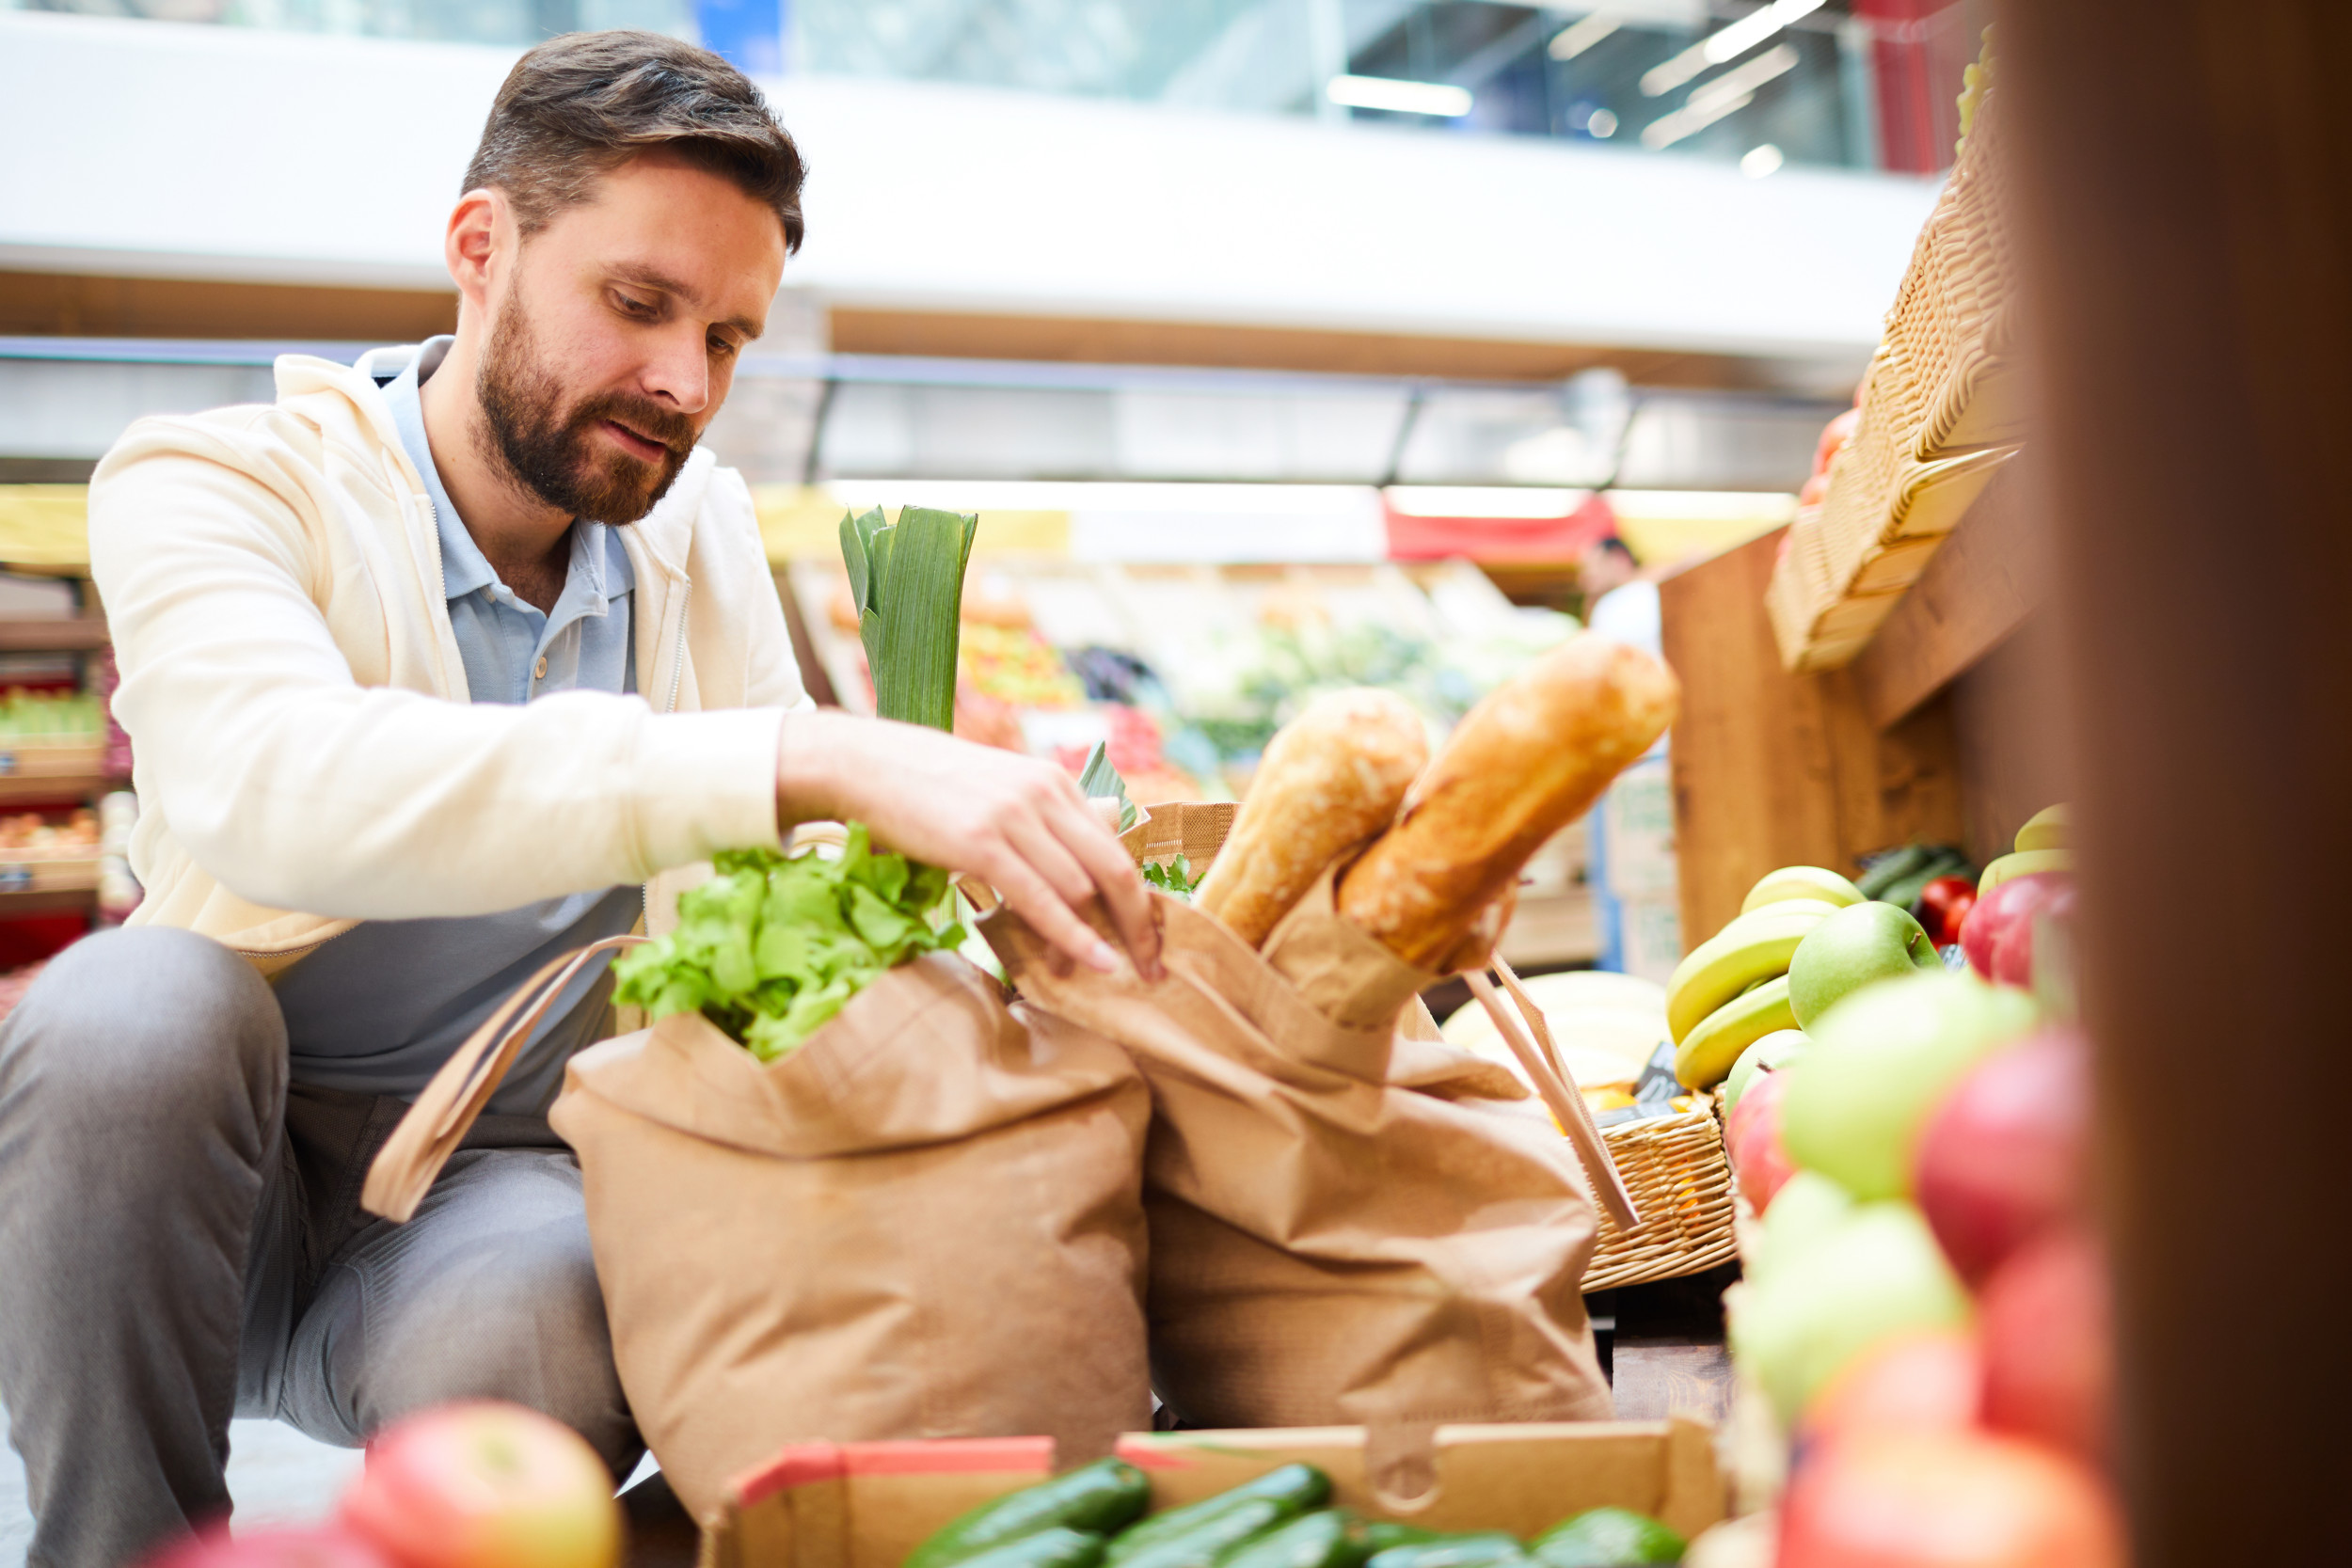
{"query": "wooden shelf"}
[(19, 788), (78, 900), (77, 635), (1979, 587)]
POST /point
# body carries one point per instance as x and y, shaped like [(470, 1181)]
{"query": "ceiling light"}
[(1399, 97), (1728, 94), (1761, 161), (1729, 45), (1603, 124), (1574, 40)]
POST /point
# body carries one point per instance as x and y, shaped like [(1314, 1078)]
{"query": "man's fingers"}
[(1051, 918), (1112, 872), (1036, 844)]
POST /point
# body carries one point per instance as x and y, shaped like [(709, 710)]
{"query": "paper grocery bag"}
[(1329, 1246), (924, 1222)]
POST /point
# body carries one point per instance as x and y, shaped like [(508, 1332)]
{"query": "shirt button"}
[(539, 671)]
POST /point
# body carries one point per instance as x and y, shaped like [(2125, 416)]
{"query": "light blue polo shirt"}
[(379, 1009)]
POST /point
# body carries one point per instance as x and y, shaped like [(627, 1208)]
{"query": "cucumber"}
[(1328, 1539), (1478, 1549), (1301, 1486), (1097, 1498), (1055, 1547), (1608, 1538), (1383, 1534), (1207, 1542)]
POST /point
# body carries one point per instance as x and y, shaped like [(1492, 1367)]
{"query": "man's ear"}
[(480, 229)]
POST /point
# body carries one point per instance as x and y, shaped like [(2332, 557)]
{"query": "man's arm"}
[(298, 788)]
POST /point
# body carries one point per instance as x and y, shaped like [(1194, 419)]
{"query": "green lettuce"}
[(772, 947)]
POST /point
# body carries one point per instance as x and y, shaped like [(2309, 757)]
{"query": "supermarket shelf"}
[(76, 900), (54, 636), (1976, 591), (18, 789)]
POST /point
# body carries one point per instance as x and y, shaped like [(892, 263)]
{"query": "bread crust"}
[(1528, 760), (1330, 781)]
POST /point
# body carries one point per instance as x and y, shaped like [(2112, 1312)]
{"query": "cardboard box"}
[(867, 1505)]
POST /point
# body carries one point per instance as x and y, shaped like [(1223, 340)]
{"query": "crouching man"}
[(433, 666)]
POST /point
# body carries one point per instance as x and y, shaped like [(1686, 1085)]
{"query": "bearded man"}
[(433, 667)]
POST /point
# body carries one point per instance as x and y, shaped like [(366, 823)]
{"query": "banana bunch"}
[(2042, 845), (1732, 989)]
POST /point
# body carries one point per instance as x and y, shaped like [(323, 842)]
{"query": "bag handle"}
[(1558, 1088), (433, 1128)]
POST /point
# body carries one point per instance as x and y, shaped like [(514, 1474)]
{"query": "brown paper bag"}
[(1329, 1248), (924, 1223)]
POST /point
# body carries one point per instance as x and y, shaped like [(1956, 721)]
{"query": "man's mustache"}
[(642, 415)]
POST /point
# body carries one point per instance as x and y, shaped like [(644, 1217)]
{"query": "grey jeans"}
[(181, 1240)]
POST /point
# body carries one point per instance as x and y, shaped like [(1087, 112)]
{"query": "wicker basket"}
[(1938, 417), (1681, 1182), (1673, 1165)]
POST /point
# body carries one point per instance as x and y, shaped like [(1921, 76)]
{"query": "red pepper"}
[(1943, 907)]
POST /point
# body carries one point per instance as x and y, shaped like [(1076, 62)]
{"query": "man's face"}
[(614, 340), (1603, 570)]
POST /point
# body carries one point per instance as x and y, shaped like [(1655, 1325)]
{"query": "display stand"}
[(1942, 730)]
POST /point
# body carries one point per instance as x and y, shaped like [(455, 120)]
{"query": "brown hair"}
[(579, 106)]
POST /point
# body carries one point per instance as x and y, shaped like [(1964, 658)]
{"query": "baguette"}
[(1523, 764), (1331, 780)]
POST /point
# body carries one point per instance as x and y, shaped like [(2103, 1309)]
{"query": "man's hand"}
[(1016, 823)]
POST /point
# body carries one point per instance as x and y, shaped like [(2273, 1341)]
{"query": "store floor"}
[(276, 1475)]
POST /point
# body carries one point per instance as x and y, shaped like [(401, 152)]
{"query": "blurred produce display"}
[(1184, 673), (35, 717), (1922, 1331)]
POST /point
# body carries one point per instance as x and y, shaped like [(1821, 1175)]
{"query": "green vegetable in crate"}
[(772, 947), (1101, 1498), (1608, 1538), (1294, 1488), (907, 581), (1383, 1534), (1490, 1548), (1326, 1539), (1057, 1547), (1208, 1543)]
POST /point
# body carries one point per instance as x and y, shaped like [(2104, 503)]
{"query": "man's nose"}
[(680, 372)]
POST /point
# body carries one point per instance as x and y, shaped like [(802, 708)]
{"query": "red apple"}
[(1946, 1499), (326, 1546), (486, 1484), (2006, 1155), (2013, 954), (1943, 908), (1997, 911), (2049, 1356), (1751, 1139), (1925, 1380)]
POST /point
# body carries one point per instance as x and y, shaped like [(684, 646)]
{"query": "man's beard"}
[(555, 453)]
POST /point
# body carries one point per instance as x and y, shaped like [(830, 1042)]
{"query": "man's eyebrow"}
[(654, 278)]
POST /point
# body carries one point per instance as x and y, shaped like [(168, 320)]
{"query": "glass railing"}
[(1856, 84)]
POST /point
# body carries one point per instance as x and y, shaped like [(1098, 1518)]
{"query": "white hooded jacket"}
[(306, 757)]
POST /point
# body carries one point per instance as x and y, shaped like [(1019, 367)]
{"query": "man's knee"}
[(512, 1313), (141, 1029)]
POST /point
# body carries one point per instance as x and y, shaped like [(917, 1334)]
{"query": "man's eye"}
[(643, 309), (722, 348)]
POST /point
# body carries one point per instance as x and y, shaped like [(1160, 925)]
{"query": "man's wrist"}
[(809, 752)]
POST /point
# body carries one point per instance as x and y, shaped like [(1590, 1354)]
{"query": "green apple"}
[(1771, 1054), (1856, 946), (1808, 1206), (1880, 1061), (1877, 1273)]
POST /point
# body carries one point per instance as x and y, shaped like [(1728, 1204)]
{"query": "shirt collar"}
[(598, 563), (464, 568)]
